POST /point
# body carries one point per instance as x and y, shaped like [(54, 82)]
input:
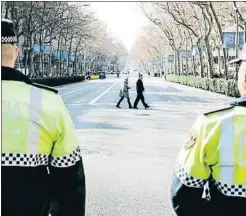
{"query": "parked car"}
[(97, 75), (102, 74), (93, 76)]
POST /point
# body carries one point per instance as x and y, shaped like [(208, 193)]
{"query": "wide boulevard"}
[(129, 154)]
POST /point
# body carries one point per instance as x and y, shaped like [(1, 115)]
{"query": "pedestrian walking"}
[(162, 74), (140, 96), (41, 158), (212, 161), (124, 93)]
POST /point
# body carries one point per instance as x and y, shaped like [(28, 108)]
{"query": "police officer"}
[(213, 161), (41, 158)]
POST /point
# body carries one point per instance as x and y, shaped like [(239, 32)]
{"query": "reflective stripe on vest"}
[(35, 106), (30, 157), (226, 147), (226, 183)]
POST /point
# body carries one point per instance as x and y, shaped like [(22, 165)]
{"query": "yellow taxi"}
[(94, 76)]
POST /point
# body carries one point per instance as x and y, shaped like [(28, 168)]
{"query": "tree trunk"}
[(193, 65), (178, 62), (210, 58), (59, 57), (186, 66), (57, 60), (31, 65), (69, 53), (41, 45), (75, 57), (175, 64), (201, 59), (75, 61), (40, 53), (221, 38), (181, 66), (49, 66), (219, 60), (27, 56)]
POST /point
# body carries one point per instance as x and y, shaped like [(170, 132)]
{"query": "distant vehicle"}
[(97, 75), (94, 76), (102, 74)]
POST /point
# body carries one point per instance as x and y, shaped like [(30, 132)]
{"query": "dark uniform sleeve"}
[(191, 174), (67, 171)]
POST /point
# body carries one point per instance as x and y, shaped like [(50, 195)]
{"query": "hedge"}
[(56, 81), (218, 85)]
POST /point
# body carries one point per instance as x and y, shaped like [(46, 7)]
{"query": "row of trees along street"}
[(191, 38), (59, 39)]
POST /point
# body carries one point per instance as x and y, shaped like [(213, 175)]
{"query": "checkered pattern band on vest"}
[(24, 160), (231, 190), (67, 160), (187, 179), (9, 39)]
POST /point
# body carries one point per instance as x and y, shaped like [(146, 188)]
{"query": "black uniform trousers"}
[(140, 96)]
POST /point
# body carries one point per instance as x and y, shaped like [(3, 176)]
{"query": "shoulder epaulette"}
[(219, 110), (240, 101), (45, 87)]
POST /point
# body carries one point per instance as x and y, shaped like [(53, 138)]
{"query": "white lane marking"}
[(72, 104), (75, 90), (111, 104), (102, 94)]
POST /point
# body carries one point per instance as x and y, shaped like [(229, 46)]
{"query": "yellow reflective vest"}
[(37, 133), (217, 147), (212, 165), (33, 119)]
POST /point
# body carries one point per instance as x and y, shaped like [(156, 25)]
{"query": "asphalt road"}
[(129, 155)]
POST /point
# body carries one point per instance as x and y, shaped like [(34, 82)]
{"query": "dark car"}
[(102, 74)]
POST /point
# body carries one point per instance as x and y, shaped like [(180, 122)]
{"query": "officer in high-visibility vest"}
[(210, 174), (41, 158)]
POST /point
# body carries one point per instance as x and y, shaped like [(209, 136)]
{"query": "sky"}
[(124, 19)]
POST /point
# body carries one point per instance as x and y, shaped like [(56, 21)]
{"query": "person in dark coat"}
[(124, 92), (140, 96)]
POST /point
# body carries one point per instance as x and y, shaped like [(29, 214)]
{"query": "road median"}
[(58, 81)]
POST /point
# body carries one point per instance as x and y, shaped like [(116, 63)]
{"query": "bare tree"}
[(62, 34), (220, 34), (170, 31)]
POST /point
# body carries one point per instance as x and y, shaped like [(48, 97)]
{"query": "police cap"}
[(241, 57), (8, 32)]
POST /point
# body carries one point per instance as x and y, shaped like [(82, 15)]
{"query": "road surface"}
[(129, 155)]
